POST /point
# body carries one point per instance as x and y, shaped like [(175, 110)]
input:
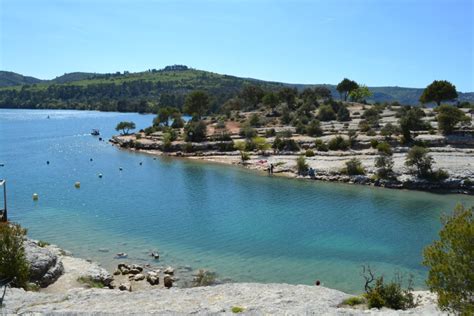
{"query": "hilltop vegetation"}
[(150, 90)]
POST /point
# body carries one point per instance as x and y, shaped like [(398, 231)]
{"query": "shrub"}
[(320, 145), (300, 128), (286, 144), (338, 143), (42, 243), (384, 164), (314, 128), (309, 153), (449, 261), (374, 143), (301, 165), (326, 113), (418, 158), (343, 114), (384, 148), (270, 132), (13, 262), (364, 126), (237, 309), (242, 148), (390, 295), (260, 143), (354, 167), (371, 115), (371, 132), (254, 120), (389, 129), (90, 282), (248, 132), (354, 300), (204, 278), (449, 116), (188, 147), (195, 131)]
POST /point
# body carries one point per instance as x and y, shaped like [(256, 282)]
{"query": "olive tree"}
[(125, 127), (438, 91)]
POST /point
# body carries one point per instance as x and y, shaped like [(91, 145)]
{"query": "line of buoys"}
[(77, 185), (35, 196)]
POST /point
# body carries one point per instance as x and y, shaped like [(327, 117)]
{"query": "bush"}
[(384, 164), (285, 134), (374, 143), (449, 261), (326, 113), (42, 243), (188, 147), (301, 165), (449, 116), (338, 143), (270, 132), (237, 309), (13, 264), (204, 278), (248, 132), (320, 145), (314, 128), (418, 158), (90, 282), (343, 114), (390, 295), (364, 126), (384, 148), (286, 144), (389, 129), (195, 131), (254, 120), (309, 153), (354, 300), (354, 167), (242, 148)]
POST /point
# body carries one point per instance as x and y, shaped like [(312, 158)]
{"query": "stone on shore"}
[(45, 266)]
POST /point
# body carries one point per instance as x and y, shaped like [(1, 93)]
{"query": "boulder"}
[(117, 272), (125, 271), (125, 287), (136, 267), (168, 281), (134, 271), (98, 274), (169, 271), (45, 265), (139, 277)]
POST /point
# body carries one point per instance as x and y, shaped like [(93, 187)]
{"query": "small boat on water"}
[(121, 255), (95, 132)]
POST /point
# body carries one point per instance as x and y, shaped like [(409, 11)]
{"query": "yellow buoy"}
[(35, 196), (77, 184)]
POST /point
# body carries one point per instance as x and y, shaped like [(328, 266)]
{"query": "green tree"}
[(343, 114), (314, 128), (354, 167), (384, 165), (271, 100), (196, 103), (438, 91), (360, 93), (251, 95), (164, 115), (125, 127), (411, 120), (288, 95), (178, 121), (322, 92), (301, 165), (195, 131), (418, 158), (260, 143), (13, 264), (449, 116), (450, 261), (345, 87), (241, 146)]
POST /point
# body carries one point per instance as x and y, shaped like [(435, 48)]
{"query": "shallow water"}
[(245, 226)]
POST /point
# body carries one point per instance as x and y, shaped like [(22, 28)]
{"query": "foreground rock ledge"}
[(254, 298)]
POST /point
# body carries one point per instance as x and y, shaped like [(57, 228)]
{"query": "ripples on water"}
[(248, 227)]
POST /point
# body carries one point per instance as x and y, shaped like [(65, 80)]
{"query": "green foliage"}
[(320, 145), (254, 120), (384, 148), (195, 131), (178, 121), (326, 113), (301, 165), (364, 126), (90, 282), (374, 143), (450, 262), (360, 93), (354, 167), (125, 127), (353, 301), (270, 132), (247, 131), (437, 91), (13, 262), (338, 143), (389, 129), (42, 243), (371, 115), (449, 116), (164, 115), (343, 114), (260, 143), (345, 87), (411, 120), (196, 103), (286, 144), (288, 95), (384, 164), (418, 158), (309, 153), (285, 133), (204, 278), (314, 128), (242, 148), (251, 95), (271, 100), (237, 309)]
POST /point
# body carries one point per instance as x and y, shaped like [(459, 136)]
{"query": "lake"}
[(246, 226)]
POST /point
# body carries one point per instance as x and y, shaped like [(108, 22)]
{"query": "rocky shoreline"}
[(326, 170), (74, 286)]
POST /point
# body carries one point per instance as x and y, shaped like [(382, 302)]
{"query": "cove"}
[(246, 226)]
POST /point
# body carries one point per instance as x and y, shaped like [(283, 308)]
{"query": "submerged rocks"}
[(45, 266)]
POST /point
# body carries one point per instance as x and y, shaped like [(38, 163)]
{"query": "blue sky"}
[(376, 42)]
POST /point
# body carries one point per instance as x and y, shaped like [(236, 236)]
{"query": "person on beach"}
[(311, 173), (271, 168)]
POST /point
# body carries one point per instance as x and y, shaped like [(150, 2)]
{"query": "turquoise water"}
[(245, 226)]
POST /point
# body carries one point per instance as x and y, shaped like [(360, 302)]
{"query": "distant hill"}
[(126, 91), (10, 79)]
